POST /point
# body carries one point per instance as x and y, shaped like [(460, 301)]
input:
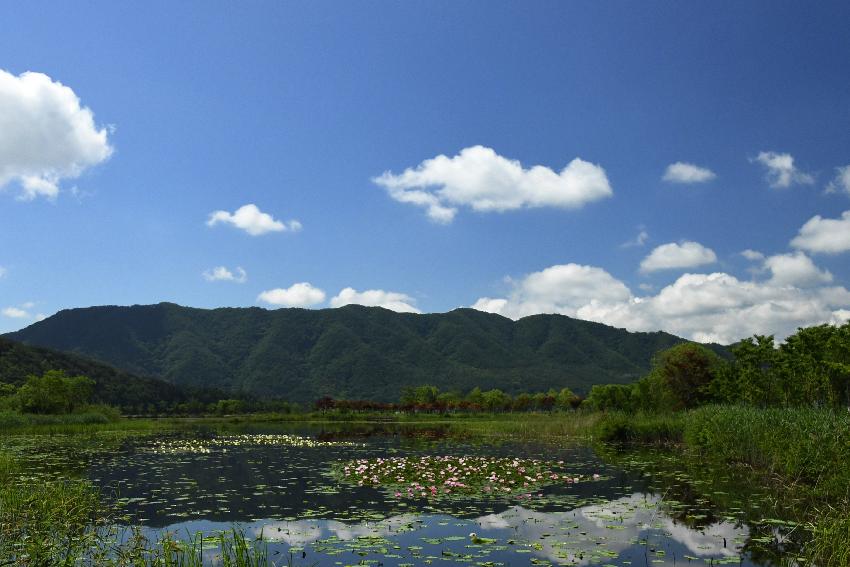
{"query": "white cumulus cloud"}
[(781, 171), (252, 220), (557, 289), (45, 135), (297, 295), (3, 272), (841, 181), (222, 274), (481, 179), (795, 269), (703, 307), (674, 255), (681, 172), (376, 298), (826, 236)]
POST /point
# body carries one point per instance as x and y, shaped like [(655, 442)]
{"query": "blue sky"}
[(300, 108)]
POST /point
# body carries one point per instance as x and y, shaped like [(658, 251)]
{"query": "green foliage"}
[(111, 386), (607, 397), (353, 352), (802, 445), (830, 543), (812, 368), (687, 370), (617, 427), (43, 522), (54, 392)]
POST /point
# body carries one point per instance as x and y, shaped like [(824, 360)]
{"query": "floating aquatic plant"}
[(207, 445), (439, 476)]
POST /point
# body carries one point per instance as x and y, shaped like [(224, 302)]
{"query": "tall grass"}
[(830, 543), (65, 523), (805, 447), (641, 428), (44, 522)]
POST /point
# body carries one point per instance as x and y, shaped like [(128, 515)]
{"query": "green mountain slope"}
[(112, 386), (350, 352)]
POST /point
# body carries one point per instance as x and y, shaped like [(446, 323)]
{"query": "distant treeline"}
[(811, 368), (430, 399), (57, 393)]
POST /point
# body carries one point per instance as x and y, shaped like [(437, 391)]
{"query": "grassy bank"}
[(64, 522), (806, 448)]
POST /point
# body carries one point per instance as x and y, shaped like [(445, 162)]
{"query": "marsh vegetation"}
[(533, 489)]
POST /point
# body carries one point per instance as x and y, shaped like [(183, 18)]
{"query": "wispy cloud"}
[(637, 241), (841, 181), (781, 172)]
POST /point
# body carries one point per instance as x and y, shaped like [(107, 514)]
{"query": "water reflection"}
[(645, 511), (627, 531)]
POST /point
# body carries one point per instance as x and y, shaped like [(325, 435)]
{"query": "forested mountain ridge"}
[(350, 352), (112, 386)]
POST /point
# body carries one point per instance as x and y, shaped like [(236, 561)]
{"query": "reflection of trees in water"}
[(698, 494)]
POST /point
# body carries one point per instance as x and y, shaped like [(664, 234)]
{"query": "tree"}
[(605, 397), (54, 392), (475, 397), (754, 376), (496, 400), (687, 370), (522, 402), (565, 399)]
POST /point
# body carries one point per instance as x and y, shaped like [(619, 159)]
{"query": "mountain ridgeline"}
[(352, 352), (112, 386)]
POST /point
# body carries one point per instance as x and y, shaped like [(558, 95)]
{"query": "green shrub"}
[(640, 428)]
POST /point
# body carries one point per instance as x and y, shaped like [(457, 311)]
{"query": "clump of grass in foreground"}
[(64, 522), (45, 522), (229, 549), (830, 543)]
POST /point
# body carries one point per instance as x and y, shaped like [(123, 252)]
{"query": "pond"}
[(397, 496)]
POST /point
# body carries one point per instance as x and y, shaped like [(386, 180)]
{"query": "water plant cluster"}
[(439, 476), (223, 442)]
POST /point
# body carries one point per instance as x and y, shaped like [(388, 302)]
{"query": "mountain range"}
[(353, 352)]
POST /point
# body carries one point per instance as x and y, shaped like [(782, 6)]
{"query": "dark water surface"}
[(645, 509)]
